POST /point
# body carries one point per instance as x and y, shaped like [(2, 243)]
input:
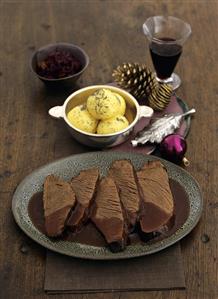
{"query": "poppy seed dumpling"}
[(122, 103), (105, 104), (112, 125), (80, 118)]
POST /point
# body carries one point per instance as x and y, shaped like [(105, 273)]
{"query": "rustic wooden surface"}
[(110, 32)]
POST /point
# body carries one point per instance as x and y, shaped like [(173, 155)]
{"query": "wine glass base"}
[(174, 80)]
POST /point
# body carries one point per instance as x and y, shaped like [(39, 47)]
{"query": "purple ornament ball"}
[(173, 148)]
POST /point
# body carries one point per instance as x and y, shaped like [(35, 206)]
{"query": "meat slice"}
[(123, 174), (156, 198), (58, 199), (107, 214), (84, 186)]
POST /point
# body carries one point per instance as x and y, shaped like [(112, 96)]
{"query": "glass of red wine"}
[(166, 37)]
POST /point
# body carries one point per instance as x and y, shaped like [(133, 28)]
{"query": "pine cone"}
[(160, 97), (138, 79)]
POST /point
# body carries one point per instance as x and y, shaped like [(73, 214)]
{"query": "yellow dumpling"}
[(122, 108), (112, 125), (105, 104), (82, 119)]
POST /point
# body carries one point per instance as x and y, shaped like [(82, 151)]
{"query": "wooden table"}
[(111, 33)]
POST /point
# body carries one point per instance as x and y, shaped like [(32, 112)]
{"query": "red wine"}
[(165, 56)]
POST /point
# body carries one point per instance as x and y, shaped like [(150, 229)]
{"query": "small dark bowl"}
[(43, 52)]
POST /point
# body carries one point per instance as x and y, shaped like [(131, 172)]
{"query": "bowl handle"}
[(56, 112), (145, 111)]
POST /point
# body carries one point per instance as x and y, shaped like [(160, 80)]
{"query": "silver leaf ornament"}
[(160, 128)]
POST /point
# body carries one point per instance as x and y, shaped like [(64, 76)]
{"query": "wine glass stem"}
[(173, 80), (166, 81)]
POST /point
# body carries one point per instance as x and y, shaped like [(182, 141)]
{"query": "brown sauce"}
[(89, 235)]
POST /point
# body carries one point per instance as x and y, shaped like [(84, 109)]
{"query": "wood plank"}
[(110, 32)]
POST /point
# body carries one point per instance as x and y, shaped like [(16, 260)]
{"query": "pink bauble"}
[(173, 148)]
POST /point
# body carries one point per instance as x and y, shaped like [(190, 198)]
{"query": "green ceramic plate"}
[(71, 166)]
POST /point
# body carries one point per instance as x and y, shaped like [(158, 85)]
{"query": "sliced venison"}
[(84, 186), (122, 172), (58, 199), (156, 198), (107, 214)]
